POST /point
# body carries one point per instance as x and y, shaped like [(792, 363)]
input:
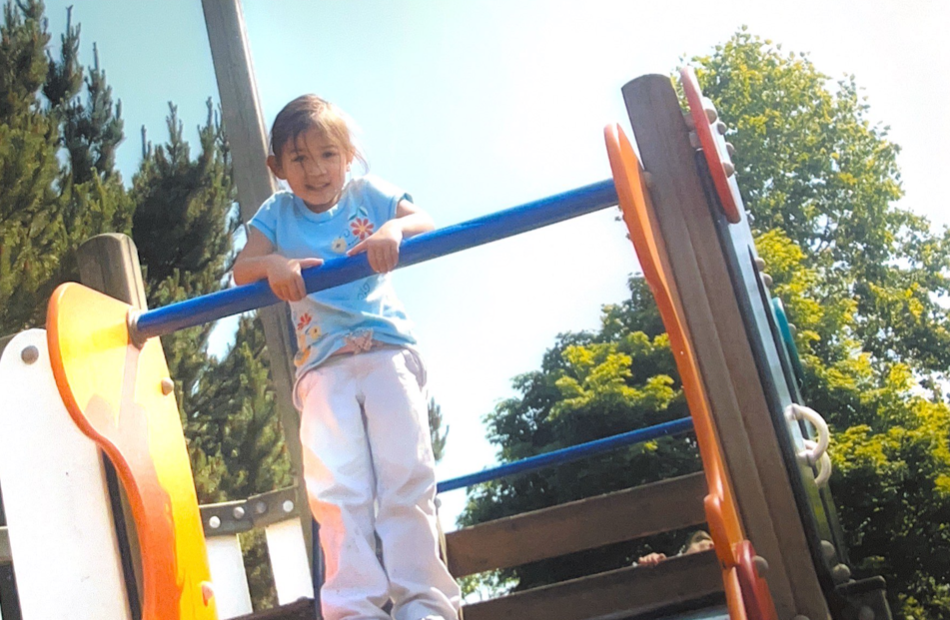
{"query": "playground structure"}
[(778, 552)]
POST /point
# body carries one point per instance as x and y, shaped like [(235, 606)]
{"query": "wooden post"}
[(737, 399), (244, 125)]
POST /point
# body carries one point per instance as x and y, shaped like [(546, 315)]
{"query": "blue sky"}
[(480, 105)]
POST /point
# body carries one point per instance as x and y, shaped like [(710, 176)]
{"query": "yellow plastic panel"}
[(113, 391)]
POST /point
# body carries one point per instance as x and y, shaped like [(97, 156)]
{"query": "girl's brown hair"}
[(307, 112)]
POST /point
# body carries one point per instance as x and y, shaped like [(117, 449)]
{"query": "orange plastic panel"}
[(638, 214), (714, 148), (755, 590), (113, 391)]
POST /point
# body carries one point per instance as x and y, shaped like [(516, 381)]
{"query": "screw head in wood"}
[(30, 354), (840, 573)]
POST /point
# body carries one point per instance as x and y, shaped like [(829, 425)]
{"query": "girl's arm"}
[(382, 247), (258, 261)]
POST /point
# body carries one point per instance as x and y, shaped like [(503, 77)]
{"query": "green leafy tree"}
[(811, 163), (590, 386), (863, 279)]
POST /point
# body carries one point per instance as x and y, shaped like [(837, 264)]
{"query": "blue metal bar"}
[(568, 455), (337, 271)]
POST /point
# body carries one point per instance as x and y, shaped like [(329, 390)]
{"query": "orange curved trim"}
[(112, 391), (743, 593), (638, 215), (710, 144)]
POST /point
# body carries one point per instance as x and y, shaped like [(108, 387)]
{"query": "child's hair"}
[(310, 111), (696, 537)]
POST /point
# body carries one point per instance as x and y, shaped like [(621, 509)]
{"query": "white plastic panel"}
[(288, 559), (65, 554)]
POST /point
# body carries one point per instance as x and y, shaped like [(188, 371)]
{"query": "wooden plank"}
[(247, 136), (61, 537), (738, 403), (576, 526), (612, 595), (303, 609)]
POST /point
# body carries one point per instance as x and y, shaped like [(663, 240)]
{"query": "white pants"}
[(369, 471)]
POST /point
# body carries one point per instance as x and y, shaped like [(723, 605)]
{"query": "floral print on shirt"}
[(361, 227)]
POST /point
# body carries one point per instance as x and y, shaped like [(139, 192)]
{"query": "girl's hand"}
[(651, 559), (283, 275), (382, 247)]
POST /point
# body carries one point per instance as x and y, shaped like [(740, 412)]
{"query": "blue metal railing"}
[(337, 271), (568, 455)]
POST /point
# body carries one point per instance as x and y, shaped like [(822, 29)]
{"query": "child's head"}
[(312, 149), (699, 541)]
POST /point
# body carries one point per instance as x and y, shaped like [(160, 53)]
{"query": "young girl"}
[(367, 455)]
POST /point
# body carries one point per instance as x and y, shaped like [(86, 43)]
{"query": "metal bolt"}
[(840, 573), (728, 168), (288, 506), (828, 550), (760, 263), (207, 592), (238, 512), (792, 328), (767, 279), (721, 128), (730, 149), (648, 179), (711, 115), (168, 386), (761, 565), (866, 613), (214, 522), (30, 354), (260, 507)]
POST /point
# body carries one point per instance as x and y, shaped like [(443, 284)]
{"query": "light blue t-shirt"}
[(325, 321)]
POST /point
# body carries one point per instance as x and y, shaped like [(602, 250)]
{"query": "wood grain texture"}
[(615, 594), (576, 526)]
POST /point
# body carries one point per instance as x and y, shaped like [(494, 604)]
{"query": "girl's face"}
[(314, 167)]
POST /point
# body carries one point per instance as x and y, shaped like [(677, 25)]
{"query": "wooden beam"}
[(585, 524), (616, 594), (244, 126), (746, 434)]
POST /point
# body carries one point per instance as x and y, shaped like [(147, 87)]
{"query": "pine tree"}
[(236, 417), (183, 222), (439, 437), (44, 214), (183, 226)]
